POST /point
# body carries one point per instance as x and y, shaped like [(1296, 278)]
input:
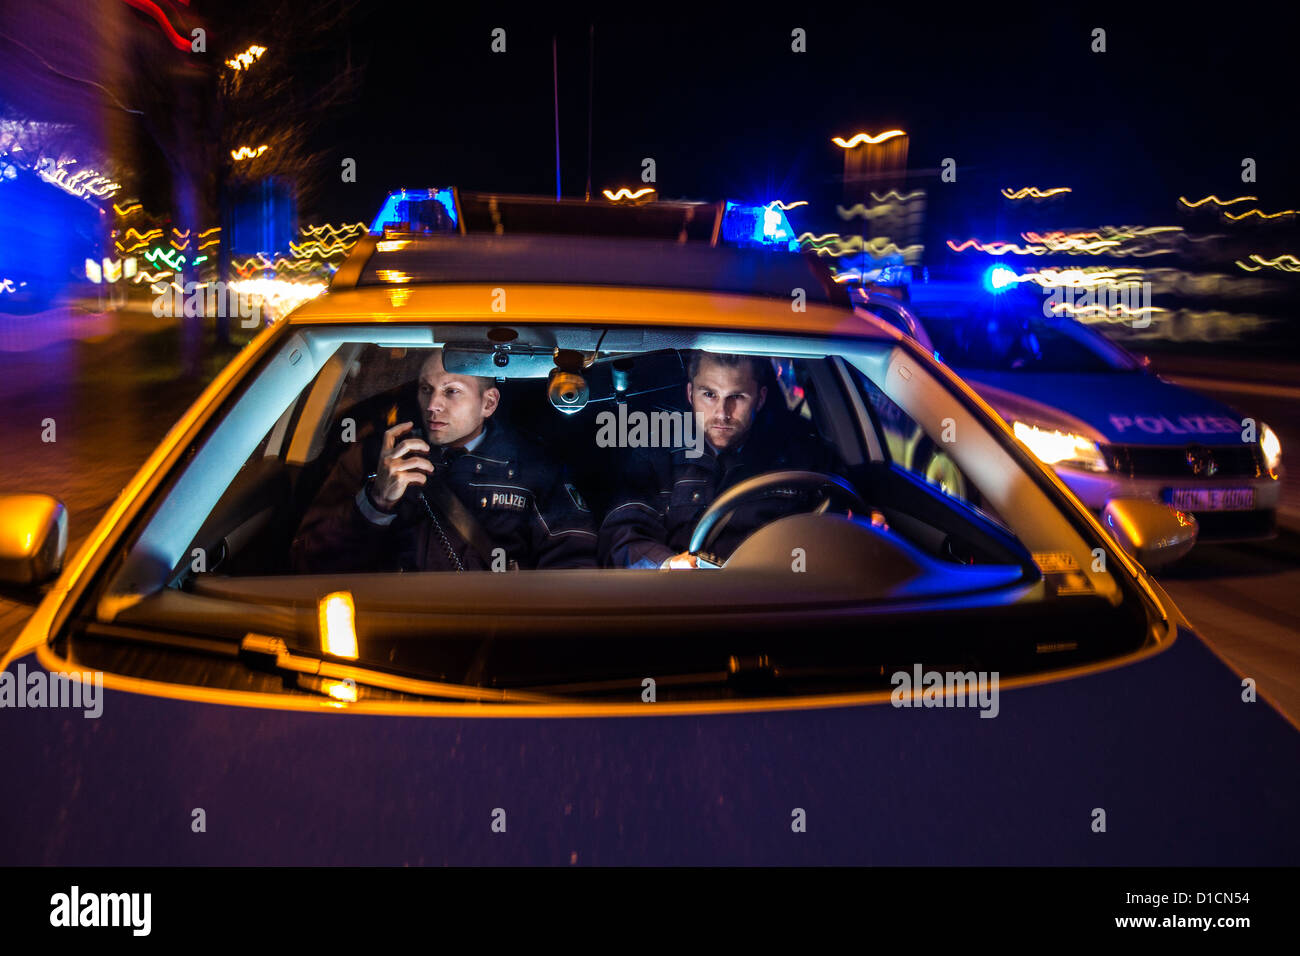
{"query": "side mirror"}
[(1154, 533), (33, 539)]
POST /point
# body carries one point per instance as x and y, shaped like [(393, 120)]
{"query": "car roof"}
[(401, 259), (589, 306)]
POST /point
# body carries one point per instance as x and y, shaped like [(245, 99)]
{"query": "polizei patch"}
[(511, 500)]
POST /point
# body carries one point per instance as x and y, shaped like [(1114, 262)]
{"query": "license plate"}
[(1212, 499)]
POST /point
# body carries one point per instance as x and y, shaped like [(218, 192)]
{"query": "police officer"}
[(457, 491), (665, 491)]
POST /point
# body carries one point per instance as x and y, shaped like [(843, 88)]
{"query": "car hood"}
[(1131, 408), (1185, 772)]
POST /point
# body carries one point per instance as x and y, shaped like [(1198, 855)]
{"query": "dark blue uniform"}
[(519, 497), (663, 493)]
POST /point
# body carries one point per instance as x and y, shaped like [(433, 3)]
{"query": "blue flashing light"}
[(746, 224), (412, 208), (46, 237), (999, 278)]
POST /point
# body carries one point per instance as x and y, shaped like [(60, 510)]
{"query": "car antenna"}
[(591, 81), (555, 78)]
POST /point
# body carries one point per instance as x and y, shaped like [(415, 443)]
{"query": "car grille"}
[(1185, 461)]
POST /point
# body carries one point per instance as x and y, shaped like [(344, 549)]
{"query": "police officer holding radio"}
[(457, 492)]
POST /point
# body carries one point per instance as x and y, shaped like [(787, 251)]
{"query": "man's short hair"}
[(760, 367)]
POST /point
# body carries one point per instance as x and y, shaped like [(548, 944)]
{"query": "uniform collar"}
[(736, 452)]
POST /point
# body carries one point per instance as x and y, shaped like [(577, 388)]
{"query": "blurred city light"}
[(1033, 192), (624, 194), (279, 297), (243, 61), (859, 138), (1216, 200), (999, 278), (247, 152)]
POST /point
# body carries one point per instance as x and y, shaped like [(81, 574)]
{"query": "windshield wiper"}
[(313, 672)]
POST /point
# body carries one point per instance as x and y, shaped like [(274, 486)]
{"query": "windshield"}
[(1011, 333), (585, 510)]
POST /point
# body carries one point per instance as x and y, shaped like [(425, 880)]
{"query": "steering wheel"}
[(716, 515)]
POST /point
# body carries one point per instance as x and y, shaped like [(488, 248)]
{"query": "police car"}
[(1107, 424), (926, 677)]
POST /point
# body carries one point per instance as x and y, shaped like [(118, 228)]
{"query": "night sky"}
[(726, 109), (722, 105)]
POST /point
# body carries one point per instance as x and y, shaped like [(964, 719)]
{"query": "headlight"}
[(1271, 446), (1060, 448)]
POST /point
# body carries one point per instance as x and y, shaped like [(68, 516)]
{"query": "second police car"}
[(1107, 424)]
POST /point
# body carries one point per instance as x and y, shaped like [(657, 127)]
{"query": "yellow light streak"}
[(997, 248), (247, 152), (1262, 215), (1283, 263), (314, 247), (347, 230), (625, 193), (242, 61), (1216, 200), (835, 245), (261, 263), (859, 138), (894, 194), (1033, 192), (859, 211)]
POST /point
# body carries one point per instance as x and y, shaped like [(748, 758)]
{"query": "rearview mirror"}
[(33, 538), (487, 362), (1151, 531)]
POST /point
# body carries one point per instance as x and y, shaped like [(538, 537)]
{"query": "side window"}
[(910, 447)]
